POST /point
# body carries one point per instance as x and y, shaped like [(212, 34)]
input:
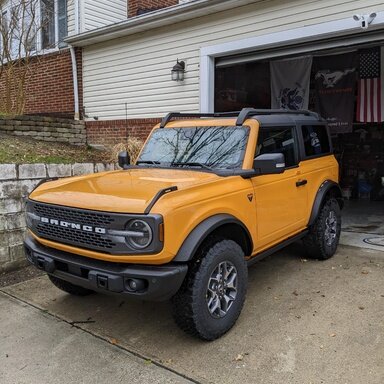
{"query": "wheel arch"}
[(224, 225), (327, 189)]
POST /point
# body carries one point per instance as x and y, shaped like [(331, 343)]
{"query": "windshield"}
[(215, 147)]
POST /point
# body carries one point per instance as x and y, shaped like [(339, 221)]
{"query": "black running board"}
[(276, 248)]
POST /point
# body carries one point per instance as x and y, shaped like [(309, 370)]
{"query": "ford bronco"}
[(208, 196)]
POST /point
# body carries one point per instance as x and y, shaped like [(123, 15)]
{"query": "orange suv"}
[(208, 196)]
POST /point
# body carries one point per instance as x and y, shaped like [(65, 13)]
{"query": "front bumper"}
[(158, 282)]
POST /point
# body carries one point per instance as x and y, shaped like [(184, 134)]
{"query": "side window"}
[(316, 141), (278, 140)]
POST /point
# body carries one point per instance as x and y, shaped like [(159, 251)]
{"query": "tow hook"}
[(45, 263)]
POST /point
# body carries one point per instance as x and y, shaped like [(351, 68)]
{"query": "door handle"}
[(299, 183)]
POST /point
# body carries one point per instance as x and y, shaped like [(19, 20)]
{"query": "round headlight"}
[(140, 234)]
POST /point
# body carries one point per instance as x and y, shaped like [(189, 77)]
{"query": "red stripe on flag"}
[(358, 115), (369, 99), (365, 104), (378, 100), (372, 106)]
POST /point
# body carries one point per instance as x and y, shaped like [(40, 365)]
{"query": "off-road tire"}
[(190, 304), (69, 287), (316, 241)]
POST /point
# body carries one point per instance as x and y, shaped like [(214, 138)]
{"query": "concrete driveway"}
[(304, 321)]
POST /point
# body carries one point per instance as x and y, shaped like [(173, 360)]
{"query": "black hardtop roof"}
[(264, 116)]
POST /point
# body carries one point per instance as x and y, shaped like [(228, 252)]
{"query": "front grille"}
[(88, 229), (78, 237), (73, 236), (81, 217)]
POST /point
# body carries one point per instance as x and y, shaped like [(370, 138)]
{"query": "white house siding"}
[(135, 71), (71, 17), (96, 14)]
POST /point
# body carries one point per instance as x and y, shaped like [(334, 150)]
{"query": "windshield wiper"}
[(191, 164), (147, 162)]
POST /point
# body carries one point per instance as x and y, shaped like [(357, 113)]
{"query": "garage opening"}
[(246, 81)]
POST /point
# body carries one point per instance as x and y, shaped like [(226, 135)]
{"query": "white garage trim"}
[(312, 33)]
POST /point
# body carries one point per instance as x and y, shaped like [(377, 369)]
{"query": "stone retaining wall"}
[(16, 182), (45, 128)]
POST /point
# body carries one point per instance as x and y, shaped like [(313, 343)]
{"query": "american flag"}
[(370, 99)]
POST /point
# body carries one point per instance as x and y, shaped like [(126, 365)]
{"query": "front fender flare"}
[(200, 233)]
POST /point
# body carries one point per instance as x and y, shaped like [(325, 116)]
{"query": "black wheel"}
[(69, 287), (323, 238), (213, 293)]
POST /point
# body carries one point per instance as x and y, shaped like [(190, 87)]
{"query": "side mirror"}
[(123, 159), (269, 163)]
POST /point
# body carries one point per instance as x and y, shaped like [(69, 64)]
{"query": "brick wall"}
[(45, 128), (16, 182), (114, 131), (49, 88), (137, 7)]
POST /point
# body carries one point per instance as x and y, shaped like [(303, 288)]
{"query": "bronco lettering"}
[(67, 224)]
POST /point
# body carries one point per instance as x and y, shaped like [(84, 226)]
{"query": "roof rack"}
[(166, 119), (241, 116), (247, 112)]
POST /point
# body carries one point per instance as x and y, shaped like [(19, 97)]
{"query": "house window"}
[(47, 12), (62, 21), (32, 26), (53, 16), (4, 29)]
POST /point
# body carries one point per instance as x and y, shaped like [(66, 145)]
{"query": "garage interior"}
[(245, 81)]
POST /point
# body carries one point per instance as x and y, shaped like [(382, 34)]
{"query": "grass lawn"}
[(16, 149)]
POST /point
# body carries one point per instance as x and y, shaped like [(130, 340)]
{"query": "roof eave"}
[(156, 19)]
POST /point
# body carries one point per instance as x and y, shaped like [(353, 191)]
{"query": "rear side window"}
[(278, 140), (316, 141)]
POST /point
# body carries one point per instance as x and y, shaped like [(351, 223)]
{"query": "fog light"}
[(136, 285)]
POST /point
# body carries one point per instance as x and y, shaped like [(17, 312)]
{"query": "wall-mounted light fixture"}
[(178, 71)]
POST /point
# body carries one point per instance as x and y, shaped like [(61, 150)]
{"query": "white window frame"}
[(7, 10), (275, 42), (7, 6), (56, 48)]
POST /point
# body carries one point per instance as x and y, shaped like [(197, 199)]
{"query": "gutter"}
[(75, 83), (156, 19)]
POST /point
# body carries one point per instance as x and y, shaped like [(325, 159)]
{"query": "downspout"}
[(75, 82)]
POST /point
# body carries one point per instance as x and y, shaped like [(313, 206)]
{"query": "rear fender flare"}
[(326, 187)]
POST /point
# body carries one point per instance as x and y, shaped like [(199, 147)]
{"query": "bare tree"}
[(26, 28), (18, 32)]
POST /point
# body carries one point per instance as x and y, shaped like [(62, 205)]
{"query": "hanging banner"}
[(335, 84), (290, 83), (370, 97)]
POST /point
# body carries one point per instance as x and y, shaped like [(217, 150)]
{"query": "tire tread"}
[(313, 241), (186, 304)]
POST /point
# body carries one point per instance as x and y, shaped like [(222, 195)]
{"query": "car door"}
[(281, 199), (318, 163)]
